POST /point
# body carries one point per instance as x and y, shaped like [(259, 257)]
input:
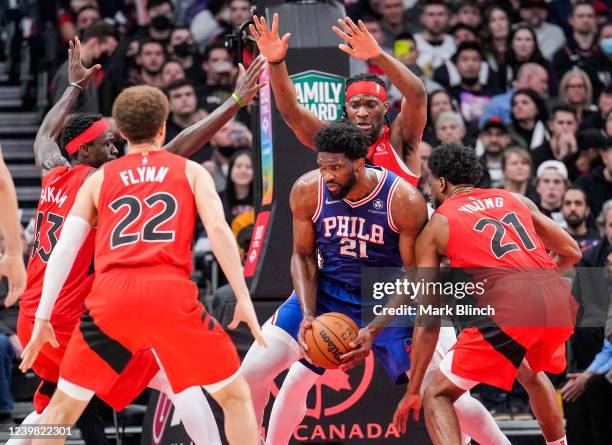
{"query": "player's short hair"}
[(76, 124), (140, 112), (456, 163), (367, 77), (343, 137)]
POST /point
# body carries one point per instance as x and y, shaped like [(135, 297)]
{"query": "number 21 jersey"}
[(492, 228), (146, 213)]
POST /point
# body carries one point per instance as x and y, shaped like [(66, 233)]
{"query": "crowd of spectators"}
[(528, 83)]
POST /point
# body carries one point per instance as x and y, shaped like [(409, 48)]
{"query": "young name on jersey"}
[(482, 204), (143, 174)]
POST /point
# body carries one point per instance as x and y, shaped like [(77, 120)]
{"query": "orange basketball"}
[(329, 338)]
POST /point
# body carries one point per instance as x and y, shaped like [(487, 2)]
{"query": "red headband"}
[(366, 87), (87, 136)]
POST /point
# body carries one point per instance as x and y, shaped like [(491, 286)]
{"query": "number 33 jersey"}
[(352, 235), (59, 190), (492, 228), (146, 213)]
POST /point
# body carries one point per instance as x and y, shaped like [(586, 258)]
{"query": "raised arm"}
[(301, 121), (223, 245), (11, 263), (566, 251), (188, 141), (407, 129), (304, 268), (47, 153)]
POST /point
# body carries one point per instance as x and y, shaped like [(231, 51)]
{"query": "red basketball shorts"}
[(129, 311)]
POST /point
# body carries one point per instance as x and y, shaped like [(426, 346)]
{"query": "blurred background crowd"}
[(527, 83)]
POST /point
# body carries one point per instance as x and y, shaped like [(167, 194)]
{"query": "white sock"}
[(290, 405), (562, 441), (261, 365), (32, 419), (193, 410), (476, 421)]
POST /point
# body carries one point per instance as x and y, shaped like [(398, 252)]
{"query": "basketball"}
[(329, 339)]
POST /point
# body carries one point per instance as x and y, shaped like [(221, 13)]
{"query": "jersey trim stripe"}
[(403, 166), (389, 201), (317, 212), (371, 196)]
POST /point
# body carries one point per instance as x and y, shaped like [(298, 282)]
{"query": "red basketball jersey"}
[(381, 153), (492, 228), (146, 213), (59, 190)]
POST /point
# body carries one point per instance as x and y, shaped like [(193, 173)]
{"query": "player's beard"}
[(344, 189)]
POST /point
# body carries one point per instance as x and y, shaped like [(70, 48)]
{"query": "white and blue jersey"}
[(351, 236)]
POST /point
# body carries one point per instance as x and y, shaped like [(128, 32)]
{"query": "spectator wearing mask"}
[(562, 143), (151, 57), (160, 15), (495, 36), (599, 181), (576, 213), (551, 183), (550, 36), (450, 128), (530, 75), (576, 91), (523, 49), (97, 45), (517, 168), (582, 43), (182, 49), (238, 195), (435, 47), (598, 66), (438, 102), (528, 117), (171, 71), (494, 138), (471, 95)]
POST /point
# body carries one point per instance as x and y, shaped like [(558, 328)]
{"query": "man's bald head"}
[(534, 76)]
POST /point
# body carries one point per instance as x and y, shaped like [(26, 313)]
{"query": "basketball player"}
[(366, 97), (89, 143), (350, 216), (11, 262), (142, 297), (478, 228)]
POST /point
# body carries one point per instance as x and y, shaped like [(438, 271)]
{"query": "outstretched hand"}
[(246, 84), (270, 45), (76, 71), (363, 45)]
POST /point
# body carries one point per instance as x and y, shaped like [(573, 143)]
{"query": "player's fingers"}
[(275, 23), (53, 340), (264, 25), (354, 27), (257, 23), (362, 27), (254, 33), (347, 29), (340, 34), (256, 331), (417, 414), (347, 49), (285, 39)]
